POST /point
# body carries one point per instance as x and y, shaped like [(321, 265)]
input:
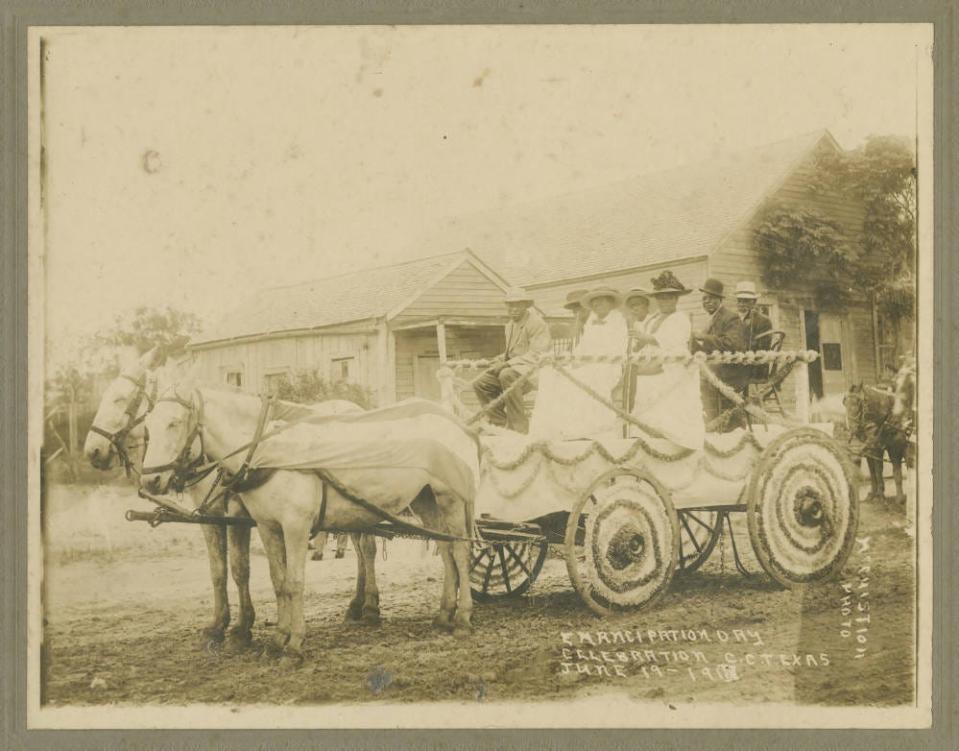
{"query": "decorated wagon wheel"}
[(802, 507), (505, 569), (622, 542), (699, 531)]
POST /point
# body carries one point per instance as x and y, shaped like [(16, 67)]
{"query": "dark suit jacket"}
[(725, 334), (753, 325)]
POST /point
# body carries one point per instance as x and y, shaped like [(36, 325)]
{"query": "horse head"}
[(174, 426), (117, 426), (904, 402)]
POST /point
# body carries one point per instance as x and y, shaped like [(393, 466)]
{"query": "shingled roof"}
[(661, 216), (355, 296)]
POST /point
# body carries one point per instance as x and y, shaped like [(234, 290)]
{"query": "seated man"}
[(756, 327), (723, 333), (527, 339)]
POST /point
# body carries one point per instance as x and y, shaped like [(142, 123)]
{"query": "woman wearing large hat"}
[(563, 409), (667, 395)]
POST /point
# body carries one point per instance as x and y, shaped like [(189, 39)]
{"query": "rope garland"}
[(788, 359)]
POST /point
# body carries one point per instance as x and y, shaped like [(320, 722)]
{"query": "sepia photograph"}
[(480, 376)]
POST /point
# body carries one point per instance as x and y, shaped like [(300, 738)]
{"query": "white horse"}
[(291, 503), (118, 432)]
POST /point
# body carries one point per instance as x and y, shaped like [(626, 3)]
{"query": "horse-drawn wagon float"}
[(629, 512)]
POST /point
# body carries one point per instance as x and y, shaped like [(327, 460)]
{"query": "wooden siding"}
[(465, 343), (255, 360), (463, 293), (736, 258)]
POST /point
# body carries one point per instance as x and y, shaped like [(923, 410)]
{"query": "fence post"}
[(802, 391)]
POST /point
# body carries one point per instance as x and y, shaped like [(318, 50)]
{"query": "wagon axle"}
[(626, 547), (809, 509)]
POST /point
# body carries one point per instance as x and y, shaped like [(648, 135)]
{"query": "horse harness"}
[(118, 439), (188, 472)]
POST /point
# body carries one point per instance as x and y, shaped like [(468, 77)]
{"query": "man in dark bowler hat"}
[(723, 333)]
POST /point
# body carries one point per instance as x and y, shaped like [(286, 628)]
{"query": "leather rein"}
[(118, 440)]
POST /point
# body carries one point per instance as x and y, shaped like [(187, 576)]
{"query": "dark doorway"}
[(811, 324)]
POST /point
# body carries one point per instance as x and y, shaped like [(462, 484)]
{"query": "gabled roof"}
[(354, 296), (658, 217)]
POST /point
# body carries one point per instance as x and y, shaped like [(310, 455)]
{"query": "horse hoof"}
[(291, 660), (442, 620), (371, 616), (462, 632), (317, 556), (354, 613), (239, 640)]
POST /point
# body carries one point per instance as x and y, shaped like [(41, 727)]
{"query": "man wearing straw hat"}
[(527, 339), (723, 333), (756, 326), (574, 304)]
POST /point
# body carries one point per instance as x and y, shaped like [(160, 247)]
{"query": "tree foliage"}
[(308, 386), (799, 245), (147, 327), (794, 242)]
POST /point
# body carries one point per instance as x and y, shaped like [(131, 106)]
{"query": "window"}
[(234, 378), (341, 369), (273, 382), (831, 356)]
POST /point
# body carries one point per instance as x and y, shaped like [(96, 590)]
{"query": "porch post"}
[(441, 341), (802, 391)]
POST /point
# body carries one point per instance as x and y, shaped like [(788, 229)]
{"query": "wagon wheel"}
[(803, 507), (505, 569), (700, 530), (622, 542)]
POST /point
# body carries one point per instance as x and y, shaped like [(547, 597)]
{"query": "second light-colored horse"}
[(288, 506), (118, 433)]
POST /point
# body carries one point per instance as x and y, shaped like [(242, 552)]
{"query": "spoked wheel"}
[(803, 507), (622, 542), (699, 532), (505, 569)]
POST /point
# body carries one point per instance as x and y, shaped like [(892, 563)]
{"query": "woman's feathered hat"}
[(667, 284)]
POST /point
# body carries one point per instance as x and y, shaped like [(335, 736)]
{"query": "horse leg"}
[(875, 477), (464, 603), (365, 546), (319, 543), (896, 456), (355, 611), (215, 537), (272, 537), (295, 536), (239, 542), (444, 618)]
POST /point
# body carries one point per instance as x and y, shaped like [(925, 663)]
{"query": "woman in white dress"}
[(563, 410), (668, 397)]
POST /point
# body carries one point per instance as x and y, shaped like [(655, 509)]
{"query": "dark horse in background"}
[(880, 423)]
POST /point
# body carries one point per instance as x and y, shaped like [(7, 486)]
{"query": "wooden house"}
[(696, 220), (384, 328), (388, 328)]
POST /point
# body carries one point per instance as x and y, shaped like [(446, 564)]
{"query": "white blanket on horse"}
[(382, 454)]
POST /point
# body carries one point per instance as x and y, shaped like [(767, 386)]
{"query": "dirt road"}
[(125, 605)]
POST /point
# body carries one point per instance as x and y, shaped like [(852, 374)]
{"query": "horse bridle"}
[(182, 465), (118, 439)]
